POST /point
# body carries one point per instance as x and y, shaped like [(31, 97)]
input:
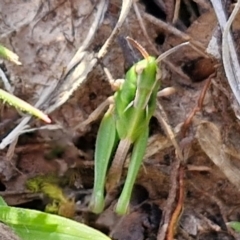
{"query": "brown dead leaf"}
[(7, 168), (6, 233), (209, 137), (138, 223)]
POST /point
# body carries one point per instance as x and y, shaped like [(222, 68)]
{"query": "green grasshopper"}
[(126, 124)]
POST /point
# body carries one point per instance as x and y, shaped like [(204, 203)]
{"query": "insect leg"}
[(135, 163), (105, 145)]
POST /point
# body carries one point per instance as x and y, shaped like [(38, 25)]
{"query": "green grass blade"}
[(36, 225), (9, 55), (23, 106), (235, 226), (2, 202)]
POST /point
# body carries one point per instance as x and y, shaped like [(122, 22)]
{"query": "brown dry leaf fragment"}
[(7, 169), (6, 233), (142, 221), (209, 137), (14, 198), (132, 225)]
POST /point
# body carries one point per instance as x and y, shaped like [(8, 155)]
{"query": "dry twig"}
[(229, 55)]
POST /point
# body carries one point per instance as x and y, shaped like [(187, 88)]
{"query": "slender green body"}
[(135, 102), (127, 121)]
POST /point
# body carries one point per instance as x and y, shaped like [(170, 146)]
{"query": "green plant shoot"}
[(13, 100), (9, 55), (126, 125), (23, 106)]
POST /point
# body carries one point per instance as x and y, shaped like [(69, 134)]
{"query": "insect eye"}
[(140, 67)]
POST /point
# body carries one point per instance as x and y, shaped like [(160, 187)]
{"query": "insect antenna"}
[(145, 54), (170, 51), (141, 49)]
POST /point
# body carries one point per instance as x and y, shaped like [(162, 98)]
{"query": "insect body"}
[(126, 123)]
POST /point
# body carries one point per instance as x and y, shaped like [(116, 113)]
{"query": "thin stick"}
[(176, 11), (196, 108), (142, 25), (178, 210), (168, 28), (164, 224)]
